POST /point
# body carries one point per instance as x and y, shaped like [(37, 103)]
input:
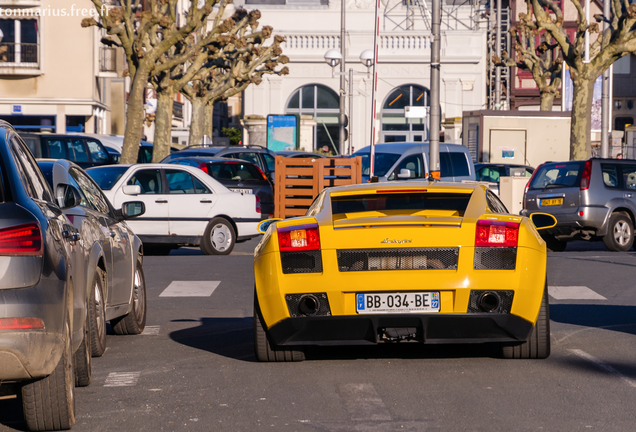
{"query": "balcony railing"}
[(24, 55), (107, 59)]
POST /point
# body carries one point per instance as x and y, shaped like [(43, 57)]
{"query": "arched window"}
[(396, 127), (322, 104)]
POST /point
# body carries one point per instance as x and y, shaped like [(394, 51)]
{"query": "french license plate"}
[(241, 191), (411, 302), (552, 201)]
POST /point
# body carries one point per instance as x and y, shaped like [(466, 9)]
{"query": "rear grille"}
[(293, 303), (301, 262), (495, 258), (398, 259)]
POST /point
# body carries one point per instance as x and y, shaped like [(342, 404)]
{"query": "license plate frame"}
[(387, 302), (551, 202), (242, 191)]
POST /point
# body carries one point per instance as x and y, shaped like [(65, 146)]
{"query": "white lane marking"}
[(363, 402), (573, 293), (190, 289), (122, 379), (603, 366), (151, 331)]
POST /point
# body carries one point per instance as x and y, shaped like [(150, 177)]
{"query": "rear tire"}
[(49, 403), (538, 344), (219, 237), (83, 359), (97, 314), (263, 348), (135, 322), (620, 233)]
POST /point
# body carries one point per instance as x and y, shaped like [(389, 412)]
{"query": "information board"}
[(282, 132)]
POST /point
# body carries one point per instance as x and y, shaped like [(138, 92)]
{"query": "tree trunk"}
[(580, 131), (547, 100), (208, 124), (198, 119), (163, 125), (134, 117)]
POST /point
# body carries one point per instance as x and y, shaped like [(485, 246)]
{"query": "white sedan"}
[(184, 206)]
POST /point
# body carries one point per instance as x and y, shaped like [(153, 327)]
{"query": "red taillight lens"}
[(585, 176), (534, 173), (21, 323), (262, 173), (496, 234), (203, 167), (21, 240), (299, 238), (258, 204)]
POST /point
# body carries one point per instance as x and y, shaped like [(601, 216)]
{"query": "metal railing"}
[(108, 59), (23, 54)]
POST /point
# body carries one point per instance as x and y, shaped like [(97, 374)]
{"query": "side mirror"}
[(404, 173), (131, 190), (114, 158), (543, 220), (264, 225), (131, 209), (67, 196)]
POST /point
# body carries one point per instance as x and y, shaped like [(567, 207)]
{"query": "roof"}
[(402, 147)]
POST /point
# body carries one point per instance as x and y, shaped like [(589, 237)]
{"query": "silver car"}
[(592, 200)]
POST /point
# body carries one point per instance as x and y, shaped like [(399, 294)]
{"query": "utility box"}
[(511, 192), (517, 137), (630, 143)]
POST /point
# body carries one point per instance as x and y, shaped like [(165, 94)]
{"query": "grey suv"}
[(591, 200)]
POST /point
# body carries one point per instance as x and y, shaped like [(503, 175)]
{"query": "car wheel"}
[(219, 238), (555, 245), (620, 234), (538, 344), (135, 321), (83, 359), (97, 314), (262, 347), (49, 403)]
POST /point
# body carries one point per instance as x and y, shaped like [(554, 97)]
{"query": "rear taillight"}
[(299, 238), (531, 177), (262, 173), (496, 234), (21, 323), (203, 167), (585, 176), (21, 240), (258, 204)]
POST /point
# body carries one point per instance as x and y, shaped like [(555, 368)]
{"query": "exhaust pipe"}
[(489, 301), (309, 304)]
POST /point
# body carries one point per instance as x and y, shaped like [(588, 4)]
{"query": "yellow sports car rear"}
[(417, 262)]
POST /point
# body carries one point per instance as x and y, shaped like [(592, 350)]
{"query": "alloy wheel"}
[(138, 297), (622, 233)]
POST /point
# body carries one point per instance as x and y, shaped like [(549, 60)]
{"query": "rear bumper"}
[(594, 218), (431, 329)]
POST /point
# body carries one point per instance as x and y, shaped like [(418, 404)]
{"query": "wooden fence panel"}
[(300, 180)]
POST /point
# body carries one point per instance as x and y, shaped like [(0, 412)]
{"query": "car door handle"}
[(161, 201), (70, 235), (206, 201)]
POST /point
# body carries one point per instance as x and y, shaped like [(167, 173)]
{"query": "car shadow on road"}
[(234, 338), (11, 413), (612, 317)]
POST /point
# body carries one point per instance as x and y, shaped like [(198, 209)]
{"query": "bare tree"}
[(617, 40)]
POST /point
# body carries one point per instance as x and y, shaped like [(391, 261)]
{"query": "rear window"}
[(383, 163), (558, 175), (453, 165), (106, 177), (409, 202), (234, 171)]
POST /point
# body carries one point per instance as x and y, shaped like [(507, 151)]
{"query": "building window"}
[(20, 42), (396, 127), (618, 104), (322, 104), (620, 123)]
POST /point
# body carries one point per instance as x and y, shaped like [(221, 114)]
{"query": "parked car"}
[(184, 206), (492, 173), (84, 151), (409, 161), (114, 145), (265, 159), (44, 339), (238, 176), (111, 263), (362, 253), (591, 200), (299, 154)]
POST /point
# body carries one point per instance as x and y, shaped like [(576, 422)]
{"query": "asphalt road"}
[(194, 368)]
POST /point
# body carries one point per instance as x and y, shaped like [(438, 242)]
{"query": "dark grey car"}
[(592, 200), (110, 264), (41, 327)]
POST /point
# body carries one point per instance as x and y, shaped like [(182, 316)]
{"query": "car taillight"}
[(299, 238), (496, 234), (258, 204), (262, 173), (21, 240), (203, 167), (585, 176), (534, 173), (21, 323)]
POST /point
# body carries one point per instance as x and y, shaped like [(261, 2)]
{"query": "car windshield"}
[(234, 171), (408, 202), (383, 163), (556, 175), (106, 177)]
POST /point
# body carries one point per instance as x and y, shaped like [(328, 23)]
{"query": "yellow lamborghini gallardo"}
[(423, 262)]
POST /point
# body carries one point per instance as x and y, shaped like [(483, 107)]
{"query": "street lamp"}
[(333, 58)]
